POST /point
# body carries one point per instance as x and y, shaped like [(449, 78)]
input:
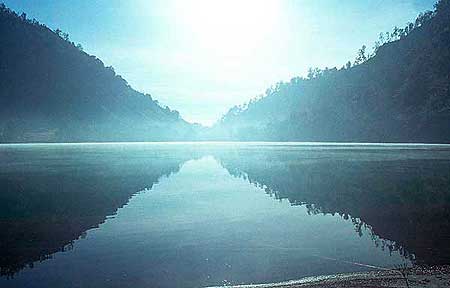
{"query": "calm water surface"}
[(194, 215)]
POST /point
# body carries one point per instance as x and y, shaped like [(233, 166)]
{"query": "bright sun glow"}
[(227, 32)]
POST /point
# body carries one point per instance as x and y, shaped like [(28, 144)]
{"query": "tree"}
[(395, 33), (79, 47), (111, 70), (382, 39), (314, 73), (424, 18), (348, 65), (65, 36), (361, 57), (310, 73), (388, 37)]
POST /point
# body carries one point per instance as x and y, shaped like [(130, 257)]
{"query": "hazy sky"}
[(202, 57)]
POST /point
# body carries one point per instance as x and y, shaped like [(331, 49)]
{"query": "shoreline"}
[(434, 276)]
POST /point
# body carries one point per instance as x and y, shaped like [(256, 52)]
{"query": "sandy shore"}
[(411, 277)]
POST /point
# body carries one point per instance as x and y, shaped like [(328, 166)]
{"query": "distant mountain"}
[(52, 91), (400, 93)]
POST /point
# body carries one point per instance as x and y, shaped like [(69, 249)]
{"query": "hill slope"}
[(51, 91), (399, 94)]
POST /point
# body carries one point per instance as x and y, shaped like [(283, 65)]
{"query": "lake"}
[(213, 214)]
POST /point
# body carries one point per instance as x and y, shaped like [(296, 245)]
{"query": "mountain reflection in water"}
[(200, 226)]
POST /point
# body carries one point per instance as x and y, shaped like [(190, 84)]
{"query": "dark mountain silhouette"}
[(52, 91), (398, 195), (399, 93)]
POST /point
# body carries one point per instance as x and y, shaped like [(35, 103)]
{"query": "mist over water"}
[(188, 215)]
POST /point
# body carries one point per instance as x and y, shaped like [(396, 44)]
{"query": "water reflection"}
[(51, 195), (398, 194), (199, 226)]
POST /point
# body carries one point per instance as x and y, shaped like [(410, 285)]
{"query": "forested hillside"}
[(52, 91), (398, 93)]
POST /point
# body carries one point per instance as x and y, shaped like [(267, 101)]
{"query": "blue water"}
[(190, 215)]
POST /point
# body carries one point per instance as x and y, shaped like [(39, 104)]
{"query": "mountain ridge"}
[(52, 91), (398, 94)]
